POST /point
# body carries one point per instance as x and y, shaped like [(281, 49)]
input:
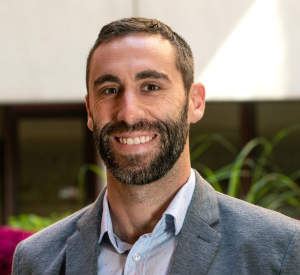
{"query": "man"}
[(157, 215)]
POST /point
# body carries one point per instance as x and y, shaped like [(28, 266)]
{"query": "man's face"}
[(138, 109)]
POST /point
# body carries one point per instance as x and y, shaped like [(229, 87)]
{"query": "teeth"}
[(136, 140), (129, 141)]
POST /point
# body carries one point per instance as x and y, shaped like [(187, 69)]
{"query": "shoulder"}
[(258, 235), (259, 228), (241, 212), (224, 212), (58, 231), (49, 241), (250, 238), (46, 250)]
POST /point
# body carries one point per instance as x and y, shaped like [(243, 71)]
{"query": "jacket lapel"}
[(82, 247), (198, 241)]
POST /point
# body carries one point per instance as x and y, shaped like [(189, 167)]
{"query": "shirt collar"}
[(179, 205), (106, 226), (177, 209)]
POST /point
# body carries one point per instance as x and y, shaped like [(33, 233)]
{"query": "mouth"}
[(135, 140)]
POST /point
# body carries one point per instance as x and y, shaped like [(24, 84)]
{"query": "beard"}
[(143, 168)]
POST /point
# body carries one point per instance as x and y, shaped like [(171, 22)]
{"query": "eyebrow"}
[(151, 74), (106, 78)]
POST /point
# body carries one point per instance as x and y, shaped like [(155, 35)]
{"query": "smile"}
[(135, 140)]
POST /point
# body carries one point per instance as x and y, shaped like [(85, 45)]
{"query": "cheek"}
[(102, 112), (169, 103), (160, 111), (167, 110)]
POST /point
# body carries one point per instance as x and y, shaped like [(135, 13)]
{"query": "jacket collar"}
[(198, 241)]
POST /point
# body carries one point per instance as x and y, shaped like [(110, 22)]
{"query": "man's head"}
[(139, 107), (139, 25)]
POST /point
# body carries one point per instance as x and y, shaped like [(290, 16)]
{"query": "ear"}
[(90, 122), (197, 102)]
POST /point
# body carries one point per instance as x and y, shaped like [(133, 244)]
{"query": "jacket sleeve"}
[(291, 261)]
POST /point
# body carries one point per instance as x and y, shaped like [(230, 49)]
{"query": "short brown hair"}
[(132, 25)]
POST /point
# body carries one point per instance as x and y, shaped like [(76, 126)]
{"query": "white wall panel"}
[(244, 50), (44, 45)]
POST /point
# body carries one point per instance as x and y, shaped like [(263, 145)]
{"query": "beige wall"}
[(46, 43), (243, 49)]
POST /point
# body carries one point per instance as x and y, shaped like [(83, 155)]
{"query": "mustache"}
[(141, 125)]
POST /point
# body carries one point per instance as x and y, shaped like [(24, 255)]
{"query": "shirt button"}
[(136, 257)]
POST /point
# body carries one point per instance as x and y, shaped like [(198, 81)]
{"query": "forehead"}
[(133, 42), (134, 50)]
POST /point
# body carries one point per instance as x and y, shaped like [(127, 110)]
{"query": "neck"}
[(135, 210)]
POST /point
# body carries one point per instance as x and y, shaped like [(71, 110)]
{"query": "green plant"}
[(34, 223), (269, 187)]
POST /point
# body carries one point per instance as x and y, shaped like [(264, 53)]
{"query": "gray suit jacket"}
[(220, 235)]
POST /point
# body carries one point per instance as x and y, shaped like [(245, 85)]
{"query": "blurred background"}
[(246, 54)]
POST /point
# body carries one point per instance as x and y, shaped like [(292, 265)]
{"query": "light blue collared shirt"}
[(152, 253)]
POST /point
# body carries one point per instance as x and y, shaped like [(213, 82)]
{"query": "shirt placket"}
[(137, 256), (151, 263)]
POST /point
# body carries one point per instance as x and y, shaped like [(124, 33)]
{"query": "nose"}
[(130, 107)]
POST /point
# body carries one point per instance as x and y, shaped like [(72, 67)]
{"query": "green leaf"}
[(210, 177), (234, 182)]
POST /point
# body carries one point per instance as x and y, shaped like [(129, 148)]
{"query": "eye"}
[(151, 87), (110, 91)]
